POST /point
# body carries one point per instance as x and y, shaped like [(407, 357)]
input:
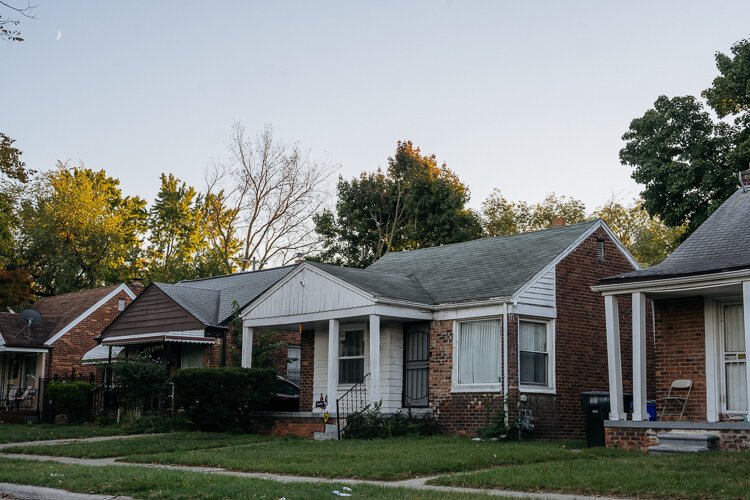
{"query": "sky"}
[(526, 97)]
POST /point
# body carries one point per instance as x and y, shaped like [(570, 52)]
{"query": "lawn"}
[(15, 433), (379, 459), (610, 472), (173, 443), (154, 483)]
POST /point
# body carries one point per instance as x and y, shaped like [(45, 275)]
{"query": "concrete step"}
[(331, 428), (325, 436), (688, 439), (659, 449), (685, 442)]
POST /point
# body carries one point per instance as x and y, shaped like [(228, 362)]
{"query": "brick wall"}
[(292, 425), (680, 351), (67, 352), (581, 352), (307, 357)]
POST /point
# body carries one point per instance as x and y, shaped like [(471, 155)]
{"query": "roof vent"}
[(745, 180), (557, 221)]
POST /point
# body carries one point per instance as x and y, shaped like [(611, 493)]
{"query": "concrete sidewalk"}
[(23, 492)]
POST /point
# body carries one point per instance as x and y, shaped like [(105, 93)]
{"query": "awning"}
[(100, 354), (191, 337), (5, 348)]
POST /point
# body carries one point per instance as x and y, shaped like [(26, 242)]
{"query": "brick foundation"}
[(303, 425)]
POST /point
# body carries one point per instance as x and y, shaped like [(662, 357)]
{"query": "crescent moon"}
[(59, 35)]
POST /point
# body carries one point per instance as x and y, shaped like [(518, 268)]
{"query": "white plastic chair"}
[(677, 398)]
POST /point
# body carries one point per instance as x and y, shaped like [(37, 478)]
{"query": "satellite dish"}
[(31, 317)]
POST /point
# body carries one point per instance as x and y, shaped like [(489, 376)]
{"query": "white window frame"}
[(365, 339), (550, 388), (482, 387)]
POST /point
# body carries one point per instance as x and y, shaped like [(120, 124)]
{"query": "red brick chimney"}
[(557, 221)]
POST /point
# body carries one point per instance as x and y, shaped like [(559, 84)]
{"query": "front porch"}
[(701, 327), (21, 369)]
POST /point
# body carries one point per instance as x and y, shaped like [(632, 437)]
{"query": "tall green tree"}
[(503, 217), (648, 239), (79, 231), (177, 231), (415, 203), (686, 160), (15, 282)]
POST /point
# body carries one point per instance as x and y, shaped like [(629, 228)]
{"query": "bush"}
[(496, 427), (370, 423), (141, 379), (71, 398), (220, 399)]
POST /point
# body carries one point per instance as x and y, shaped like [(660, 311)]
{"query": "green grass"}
[(139, 482), (389, 459), (610, 472), (15, 433), (174, 443)]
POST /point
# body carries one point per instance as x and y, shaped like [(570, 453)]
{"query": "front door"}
[(416, 359), (734, 360)]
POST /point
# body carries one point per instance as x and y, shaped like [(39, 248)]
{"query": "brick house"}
[(190, 323), (701, 300), (54, 346), (452, 329)]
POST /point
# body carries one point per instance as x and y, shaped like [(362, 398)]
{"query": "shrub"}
[(496, 427), (71, 398), (141, 379), (220, 399), (371, 423)]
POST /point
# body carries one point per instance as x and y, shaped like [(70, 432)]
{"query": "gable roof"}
[(383, 285), (487, 268), (721, 243)]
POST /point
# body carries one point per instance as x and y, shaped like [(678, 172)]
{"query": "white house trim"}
[(681, 283), (89, 311), (21, 349), (551, 387), (381, 310), (713, 401), (183, 333)]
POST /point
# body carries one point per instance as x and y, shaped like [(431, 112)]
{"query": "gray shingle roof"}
[(721, 243), (479, 269), (384, 285), (212, 298)]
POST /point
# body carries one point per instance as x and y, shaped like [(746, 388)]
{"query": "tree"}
[(177, 231), (686, 160), (15, 282), (648, 239), (266, 195), (78, 231), (414, 204), (8, 31), (502, 217)]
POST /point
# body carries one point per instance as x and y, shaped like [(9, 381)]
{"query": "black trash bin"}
[(595, 405)]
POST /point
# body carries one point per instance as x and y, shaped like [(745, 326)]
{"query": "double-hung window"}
[(534, 346), (477, 355), (351, 356)]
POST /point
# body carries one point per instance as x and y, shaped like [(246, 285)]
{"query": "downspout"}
[(505, 363)]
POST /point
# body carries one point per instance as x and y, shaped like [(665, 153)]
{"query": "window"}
[(351, 356), (192, 356), (477, 356), (534, 353), (293, 355)]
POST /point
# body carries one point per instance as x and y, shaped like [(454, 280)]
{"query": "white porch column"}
[(614, 363), (333, 363), (247, 347), (746, 317), (374, 358), (639, 357)]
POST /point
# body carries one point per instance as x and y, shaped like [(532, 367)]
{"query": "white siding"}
[(307, 292), (541, 292), (391, 366)]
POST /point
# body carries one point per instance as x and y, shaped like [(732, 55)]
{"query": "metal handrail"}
[(355, 398)]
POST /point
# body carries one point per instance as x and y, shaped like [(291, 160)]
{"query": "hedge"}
[(71, 399), (221, 399)]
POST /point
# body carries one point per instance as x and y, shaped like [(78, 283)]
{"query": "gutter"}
[(682, 282)]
